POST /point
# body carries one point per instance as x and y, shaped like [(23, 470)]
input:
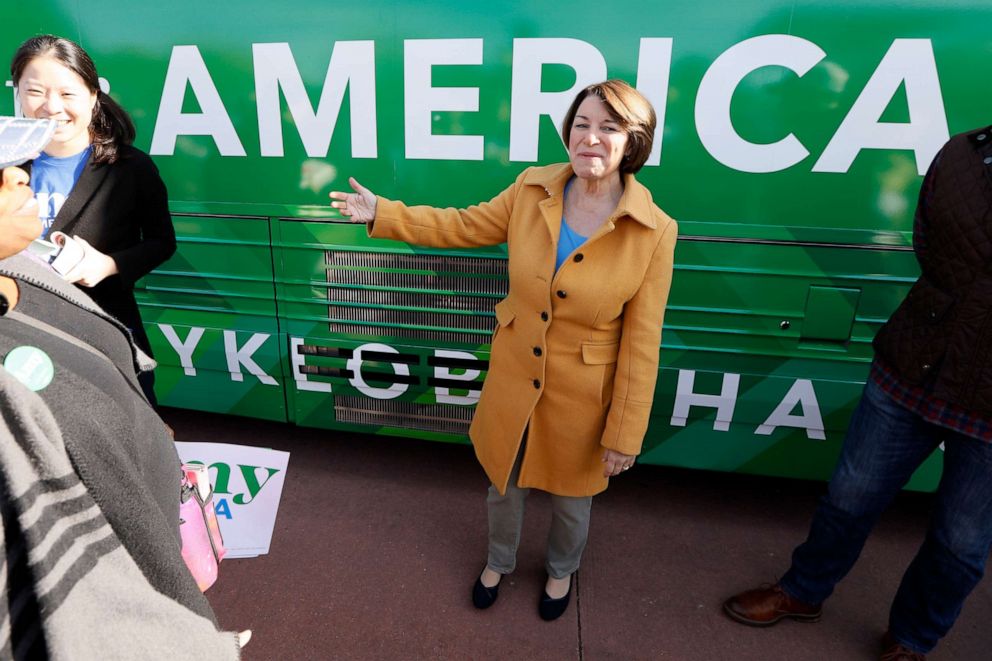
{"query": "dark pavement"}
[(378, 541)]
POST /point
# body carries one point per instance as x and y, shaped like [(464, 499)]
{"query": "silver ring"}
[(625, 468)]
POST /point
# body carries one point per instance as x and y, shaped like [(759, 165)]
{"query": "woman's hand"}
[(92, 268), (615, 463), (359, 206)]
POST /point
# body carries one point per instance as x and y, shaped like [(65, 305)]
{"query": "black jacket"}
[(121, 209), (940, 337)]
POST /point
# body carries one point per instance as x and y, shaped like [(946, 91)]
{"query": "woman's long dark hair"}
[(111, 127)]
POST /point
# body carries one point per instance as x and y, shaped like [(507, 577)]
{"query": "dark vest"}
[(940, 337)]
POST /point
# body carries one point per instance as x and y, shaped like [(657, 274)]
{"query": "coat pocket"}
[(600, 353), (927, 304), (504, 316), (504, 312), (602, 357), (916, 338)]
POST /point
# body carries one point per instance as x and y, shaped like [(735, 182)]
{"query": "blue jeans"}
[(885, 444)]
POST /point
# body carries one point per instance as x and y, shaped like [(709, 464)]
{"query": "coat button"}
[(982, 136), (926, 367), (987, 160), (933, 315), (537, 351), (544, 316), (537, 383), (561, 293), (578, 257)]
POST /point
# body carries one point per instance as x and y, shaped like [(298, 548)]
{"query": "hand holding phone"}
[(69, 254)]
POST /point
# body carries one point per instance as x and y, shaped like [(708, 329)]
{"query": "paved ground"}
[(378, 541)]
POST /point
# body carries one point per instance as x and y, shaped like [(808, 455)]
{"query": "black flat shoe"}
[(483, 597), (551, 609)]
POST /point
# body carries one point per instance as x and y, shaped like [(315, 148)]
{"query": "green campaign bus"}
[(791, 143)]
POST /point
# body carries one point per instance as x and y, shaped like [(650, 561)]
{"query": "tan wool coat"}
[(575, 353)]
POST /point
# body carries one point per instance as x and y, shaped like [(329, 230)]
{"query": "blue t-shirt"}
[(568, 240), (52, 179)]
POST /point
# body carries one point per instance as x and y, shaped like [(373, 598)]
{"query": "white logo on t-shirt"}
[(49, 206)]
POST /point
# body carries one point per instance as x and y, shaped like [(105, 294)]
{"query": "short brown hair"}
[(631, 110)]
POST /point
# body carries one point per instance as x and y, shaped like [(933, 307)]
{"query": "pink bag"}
[(203, 546)]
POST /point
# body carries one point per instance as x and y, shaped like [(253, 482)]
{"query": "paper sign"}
[(247, 484)]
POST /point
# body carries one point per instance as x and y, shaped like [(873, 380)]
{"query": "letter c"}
[(713, 122)]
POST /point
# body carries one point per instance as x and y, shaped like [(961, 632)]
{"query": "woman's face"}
[(50, 90), (596, 144)]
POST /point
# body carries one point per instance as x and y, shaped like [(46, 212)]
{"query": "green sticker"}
[(31, 366)]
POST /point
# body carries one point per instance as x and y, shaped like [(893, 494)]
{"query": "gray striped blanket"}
[(68, 588)]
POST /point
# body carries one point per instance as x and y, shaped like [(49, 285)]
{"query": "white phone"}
[(22, 139), (62, 253)]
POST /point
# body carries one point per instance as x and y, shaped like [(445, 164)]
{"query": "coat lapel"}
[(552, 179), (92, 177), (551, 211)]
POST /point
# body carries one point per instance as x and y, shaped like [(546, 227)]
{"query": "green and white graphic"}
[(791, 143), (31, 366)]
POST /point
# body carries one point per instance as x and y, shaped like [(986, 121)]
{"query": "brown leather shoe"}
[(767, 605), (896, 651)]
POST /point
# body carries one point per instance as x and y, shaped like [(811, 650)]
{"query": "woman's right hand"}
[(358, 206)]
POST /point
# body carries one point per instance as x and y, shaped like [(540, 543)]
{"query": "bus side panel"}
[(210, 314)]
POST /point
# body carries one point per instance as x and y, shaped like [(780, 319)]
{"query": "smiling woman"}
[(49, 90), (575, 353), (91, 183)]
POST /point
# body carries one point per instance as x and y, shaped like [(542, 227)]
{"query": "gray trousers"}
[(566, 539)]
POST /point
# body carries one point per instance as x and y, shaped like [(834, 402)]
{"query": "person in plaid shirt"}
[(930, 386)]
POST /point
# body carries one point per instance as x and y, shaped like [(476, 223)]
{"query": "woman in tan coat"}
[(574, 356)]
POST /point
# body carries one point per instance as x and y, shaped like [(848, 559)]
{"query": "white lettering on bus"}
[(238, 356), (184, 349), (528, 103), (296, 362), (354, 364), (713, 122), (17, 104), (724, 403), (421, 100), (186, 67), (654, 65), (801, 393), (352, 66), (908, 61), (443, 394)]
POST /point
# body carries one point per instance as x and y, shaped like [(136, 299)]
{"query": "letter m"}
[(352, 65)]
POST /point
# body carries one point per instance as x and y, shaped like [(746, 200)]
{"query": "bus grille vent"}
[(465, 275), (420, 262), (413, 317), (444, 418), (449, 298), (377, 297), (366, 330)]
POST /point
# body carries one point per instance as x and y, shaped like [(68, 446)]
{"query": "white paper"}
[(21, 139), (247, 484), (70, 253)]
